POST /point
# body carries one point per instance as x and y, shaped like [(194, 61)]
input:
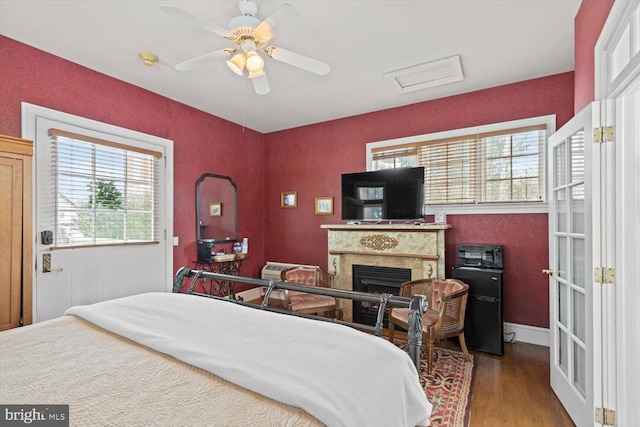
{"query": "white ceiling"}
[(499, 42)]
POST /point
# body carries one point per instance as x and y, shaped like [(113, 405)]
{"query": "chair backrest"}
[(454, 291), (453, 294), (308, 276), (418, 287)]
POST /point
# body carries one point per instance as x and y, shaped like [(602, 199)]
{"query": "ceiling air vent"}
[(423, 76)]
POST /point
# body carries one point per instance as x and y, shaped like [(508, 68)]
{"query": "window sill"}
[(486, 209)]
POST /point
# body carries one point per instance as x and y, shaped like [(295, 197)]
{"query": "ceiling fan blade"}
[(186, 16), (261, 84), (192, 63), (285, 14), (297, 60)]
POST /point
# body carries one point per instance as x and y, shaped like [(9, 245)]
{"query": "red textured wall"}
[(526, 253), (588, 24), (202, 142), (311, 159)]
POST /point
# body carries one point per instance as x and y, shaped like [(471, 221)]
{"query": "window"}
[(106, 193), (494, 164)]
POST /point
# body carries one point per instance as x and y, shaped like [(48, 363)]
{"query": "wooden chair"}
[(445, 316), (302, 302)]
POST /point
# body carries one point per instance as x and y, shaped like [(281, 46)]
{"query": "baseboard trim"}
[(528, 334)]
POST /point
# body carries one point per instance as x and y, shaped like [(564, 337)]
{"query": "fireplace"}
[(418, 248), (377, 280)]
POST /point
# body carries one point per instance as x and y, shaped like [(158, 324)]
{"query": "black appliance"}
[(480, 266), (386, 194), (204, 250), (481, 256)]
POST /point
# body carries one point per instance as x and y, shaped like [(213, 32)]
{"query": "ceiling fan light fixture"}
[(237, 63), (256, 74), (246, 22), (250, 35), (254, 62)]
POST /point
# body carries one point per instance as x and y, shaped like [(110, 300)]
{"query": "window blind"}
[(105, 193), (491, 167), (397, 158)]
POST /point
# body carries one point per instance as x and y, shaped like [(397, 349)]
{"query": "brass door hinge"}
[(604, 275), (602, 134), (605, 416)]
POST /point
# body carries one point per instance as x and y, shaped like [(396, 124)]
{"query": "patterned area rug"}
[(448, 388)]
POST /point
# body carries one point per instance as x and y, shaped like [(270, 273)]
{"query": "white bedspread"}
[(341, 376)]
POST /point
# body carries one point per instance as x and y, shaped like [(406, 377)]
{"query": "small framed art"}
[(289, 199), (324, 205), (215, 209)]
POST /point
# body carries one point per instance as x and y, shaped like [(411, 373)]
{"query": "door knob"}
[(548, 271)]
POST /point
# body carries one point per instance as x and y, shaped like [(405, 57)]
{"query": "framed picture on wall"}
[(324, 205), (215, 209), (289, 199)]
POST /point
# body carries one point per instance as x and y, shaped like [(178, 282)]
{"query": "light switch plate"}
[(440, 218), (175, 240)]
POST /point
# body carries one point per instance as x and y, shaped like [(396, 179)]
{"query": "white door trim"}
[(617, 84)]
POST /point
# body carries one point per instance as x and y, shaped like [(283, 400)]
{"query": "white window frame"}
[(79, 163), (548, 121)]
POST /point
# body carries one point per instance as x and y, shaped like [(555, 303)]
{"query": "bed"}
[(178, 359)]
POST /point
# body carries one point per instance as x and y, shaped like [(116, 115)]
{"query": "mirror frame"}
[(235, 199)]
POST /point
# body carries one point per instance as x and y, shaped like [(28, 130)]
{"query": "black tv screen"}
[(387, 194)]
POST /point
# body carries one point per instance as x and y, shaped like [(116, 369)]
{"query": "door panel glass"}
[(577, 209), (578, 314), (562, 257), (563, 351), (562, 303), (560, 167), (579, 369), (577, 157), (578, 262), (561, 210)]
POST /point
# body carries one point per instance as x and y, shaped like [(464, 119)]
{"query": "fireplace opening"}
[(376, 280)]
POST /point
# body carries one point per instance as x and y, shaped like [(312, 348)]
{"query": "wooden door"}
[(15, 232), (11, 238)]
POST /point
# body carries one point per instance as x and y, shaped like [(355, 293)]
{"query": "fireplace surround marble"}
[(420, 248)]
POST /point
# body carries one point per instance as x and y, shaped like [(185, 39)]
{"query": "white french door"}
[(572, 172)]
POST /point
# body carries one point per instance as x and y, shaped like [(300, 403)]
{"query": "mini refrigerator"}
[(483, 325)]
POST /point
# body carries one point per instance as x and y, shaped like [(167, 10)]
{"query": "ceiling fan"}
[(250, 36)]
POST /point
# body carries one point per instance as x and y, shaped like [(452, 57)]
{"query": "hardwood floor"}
[(514, 390)]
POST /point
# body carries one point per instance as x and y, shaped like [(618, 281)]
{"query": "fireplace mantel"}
[(419, 248)]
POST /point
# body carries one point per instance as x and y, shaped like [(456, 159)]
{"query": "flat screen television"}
[(388, 194)]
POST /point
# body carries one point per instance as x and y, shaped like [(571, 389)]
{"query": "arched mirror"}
[(216, 209)]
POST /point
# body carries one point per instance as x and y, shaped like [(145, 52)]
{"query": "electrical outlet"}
[(175, 240)]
